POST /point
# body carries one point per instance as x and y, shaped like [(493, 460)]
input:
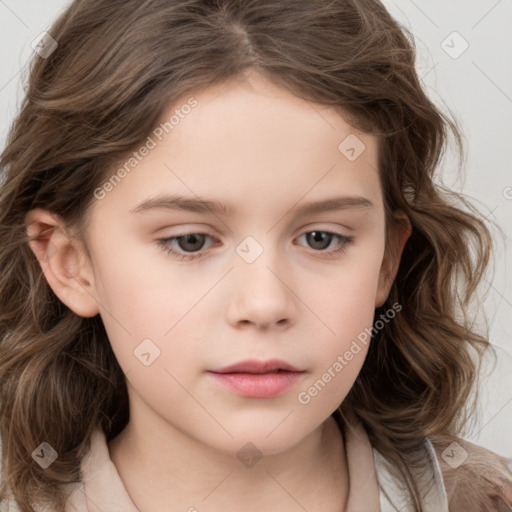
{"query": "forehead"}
[(250, 143)]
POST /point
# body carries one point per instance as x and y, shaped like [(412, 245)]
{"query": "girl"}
[(311, 349)]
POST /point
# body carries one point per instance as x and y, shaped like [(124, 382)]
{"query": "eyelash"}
[(166, 245)]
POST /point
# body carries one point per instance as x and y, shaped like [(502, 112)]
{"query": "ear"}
[(63, 261), (397, 237)]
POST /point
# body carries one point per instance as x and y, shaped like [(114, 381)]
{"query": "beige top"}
[(372, 487)]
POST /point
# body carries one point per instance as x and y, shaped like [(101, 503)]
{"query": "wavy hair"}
[(118, 66)]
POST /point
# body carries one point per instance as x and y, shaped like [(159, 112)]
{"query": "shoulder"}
[(476, 479)]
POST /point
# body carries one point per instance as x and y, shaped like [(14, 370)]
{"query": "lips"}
[(257, 379), (255, 366)]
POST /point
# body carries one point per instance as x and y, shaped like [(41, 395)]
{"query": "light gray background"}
[(477, 88)]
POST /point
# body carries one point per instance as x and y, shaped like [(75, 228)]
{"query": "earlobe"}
[(391, 262), (62, 260)]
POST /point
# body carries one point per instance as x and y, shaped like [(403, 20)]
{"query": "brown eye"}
[(184, 246), (319, 239), (191, 242)]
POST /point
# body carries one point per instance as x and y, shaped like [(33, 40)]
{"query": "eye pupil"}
[(195, 239), (319, 236)]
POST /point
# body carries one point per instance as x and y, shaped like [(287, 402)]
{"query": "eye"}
[(321, 240), (188, 244)]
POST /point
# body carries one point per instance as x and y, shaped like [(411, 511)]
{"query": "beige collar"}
[(364, 490)]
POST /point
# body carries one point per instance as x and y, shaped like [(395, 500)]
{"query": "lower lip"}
[(258, 385)]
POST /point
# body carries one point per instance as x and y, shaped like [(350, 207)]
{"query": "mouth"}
[(257, 367), (258, 379)]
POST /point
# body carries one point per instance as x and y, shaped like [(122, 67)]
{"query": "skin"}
[(265, 152)]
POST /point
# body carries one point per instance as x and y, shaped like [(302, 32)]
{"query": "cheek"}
[(345, 303), (141, 302), (158, 320), (345, 298)]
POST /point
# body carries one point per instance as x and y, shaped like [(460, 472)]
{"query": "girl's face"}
[(262, 280)]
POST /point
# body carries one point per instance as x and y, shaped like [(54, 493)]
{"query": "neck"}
[(174, 472)]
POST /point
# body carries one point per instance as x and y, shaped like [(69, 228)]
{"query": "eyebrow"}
[(182, 203)]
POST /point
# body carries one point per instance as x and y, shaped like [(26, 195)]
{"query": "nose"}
[(262, 294)]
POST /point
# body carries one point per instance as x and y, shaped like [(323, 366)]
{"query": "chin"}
[(258, 442)]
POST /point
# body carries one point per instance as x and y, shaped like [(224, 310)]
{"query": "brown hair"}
[(118, 66)]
